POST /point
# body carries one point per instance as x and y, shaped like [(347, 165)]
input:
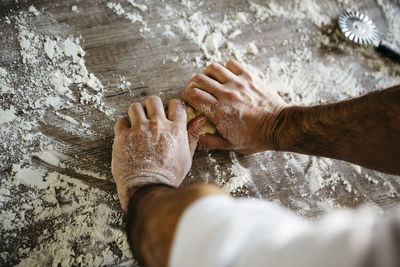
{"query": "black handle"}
[(389, 51)]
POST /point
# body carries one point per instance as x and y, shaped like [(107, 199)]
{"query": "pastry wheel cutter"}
[(360, 29)]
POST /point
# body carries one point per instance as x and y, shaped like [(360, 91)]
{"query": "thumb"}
[(194, 128), (212, 142)]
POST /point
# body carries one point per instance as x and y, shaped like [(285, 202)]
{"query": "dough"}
[(208, 127)]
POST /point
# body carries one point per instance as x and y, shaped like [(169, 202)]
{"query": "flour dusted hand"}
[(153, 149), (241, 106)]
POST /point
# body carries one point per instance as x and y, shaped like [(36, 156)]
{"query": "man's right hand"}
[(241, 106)]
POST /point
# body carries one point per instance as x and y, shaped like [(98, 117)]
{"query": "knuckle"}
[(155, 123), (240, 85), (185, 94), (193, 94), (213, 67), (199, 77), (141, 127), (230, 62), (248, 76), (230, 95)]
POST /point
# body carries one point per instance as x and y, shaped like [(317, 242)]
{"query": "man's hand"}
[(241, 106), (152, 149)]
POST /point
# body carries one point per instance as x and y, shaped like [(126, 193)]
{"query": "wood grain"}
[(114, 48)]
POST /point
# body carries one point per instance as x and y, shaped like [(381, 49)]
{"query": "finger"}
[(154, 108), (219, 73), (207, 84), (177, 111), (136, 113), (194, 128), (213, 141), (235, 67), (201, 101), (121, 125)]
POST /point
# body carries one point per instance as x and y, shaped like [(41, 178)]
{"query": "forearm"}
[(153, 215), (363, 130)]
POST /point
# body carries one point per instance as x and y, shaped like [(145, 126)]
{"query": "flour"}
[(241, 176), (29, 176), (3, 72), (235, 178), (49, 156), (92, 221), (30, 45), (295, 10), (241, 17), (55, 84), (252, 48), (211, 35), (141, 7), (33, 10), (214, 41), (71, 48), (303, 81), (234, 34), (8, 115), (50, 66), (50, 47), (391, 14), (116, 7), (133, 17)]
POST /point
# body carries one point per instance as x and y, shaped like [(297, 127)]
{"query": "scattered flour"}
[(3, 72), (29, 176), (303, 81), (33, 10), (252, 48), (211, 35), (141, 7), (241, 176), (133, 17), (294, 10), (8, 115), (7, 20), (391, 14), (54, 81)]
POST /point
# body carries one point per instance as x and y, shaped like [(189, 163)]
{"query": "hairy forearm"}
[(153, 215), (364, 130)]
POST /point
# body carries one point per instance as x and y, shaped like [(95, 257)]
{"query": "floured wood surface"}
[(69, 69)]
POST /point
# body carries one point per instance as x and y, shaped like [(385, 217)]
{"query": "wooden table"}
[(115, 48)]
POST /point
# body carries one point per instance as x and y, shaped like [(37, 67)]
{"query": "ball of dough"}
[(208, 127)]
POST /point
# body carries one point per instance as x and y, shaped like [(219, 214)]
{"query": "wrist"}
[(128, 185), (273, 126), (285, 126)]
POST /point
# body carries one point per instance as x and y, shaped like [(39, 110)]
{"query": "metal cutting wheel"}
[(360, 29)]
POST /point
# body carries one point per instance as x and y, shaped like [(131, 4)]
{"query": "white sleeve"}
[(219, 231)]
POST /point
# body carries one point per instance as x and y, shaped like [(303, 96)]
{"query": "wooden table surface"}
[(114, 49)]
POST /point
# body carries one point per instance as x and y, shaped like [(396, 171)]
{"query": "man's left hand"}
[(153, 147)]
